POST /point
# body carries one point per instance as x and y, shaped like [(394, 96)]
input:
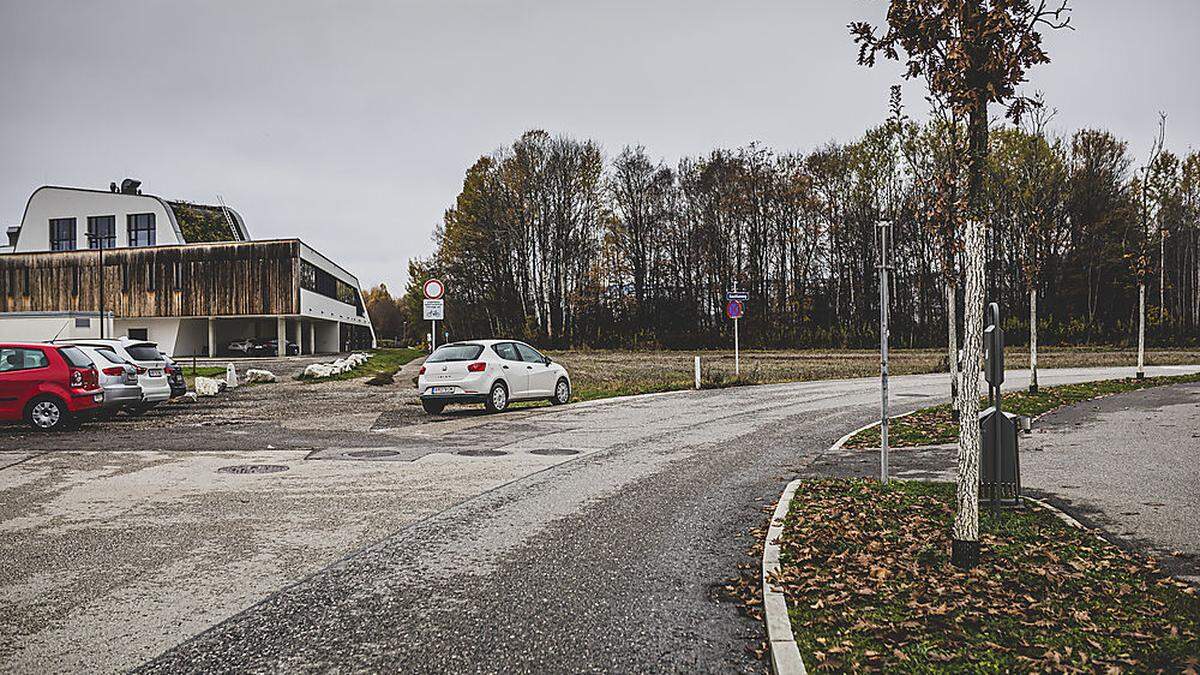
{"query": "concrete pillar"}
[(212, 338), (312, 337), (281, 336)]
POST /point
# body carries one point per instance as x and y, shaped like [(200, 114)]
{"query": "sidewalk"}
[(1130, 465)]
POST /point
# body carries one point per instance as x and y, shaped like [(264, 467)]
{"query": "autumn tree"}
[(386, 315), (1028, 185), (972, 52)]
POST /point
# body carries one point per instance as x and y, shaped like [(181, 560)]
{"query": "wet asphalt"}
[(611, 562)]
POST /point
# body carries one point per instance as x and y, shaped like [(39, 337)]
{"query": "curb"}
[(844, 439), (785, 654)]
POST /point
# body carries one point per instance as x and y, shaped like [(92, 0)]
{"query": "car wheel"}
[(433, 407), (497, 400), (562, 392), (47, 414)]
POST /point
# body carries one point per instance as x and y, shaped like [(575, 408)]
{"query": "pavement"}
[(589, 537), (1129, 465)]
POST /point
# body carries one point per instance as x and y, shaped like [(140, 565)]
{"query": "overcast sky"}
[(350, 124)]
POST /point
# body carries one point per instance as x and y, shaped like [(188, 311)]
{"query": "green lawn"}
[(936, 425), (869, 586)]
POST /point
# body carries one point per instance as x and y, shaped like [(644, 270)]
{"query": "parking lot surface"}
[(591, 536)]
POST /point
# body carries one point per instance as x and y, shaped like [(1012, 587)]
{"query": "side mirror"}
[(547, 360)]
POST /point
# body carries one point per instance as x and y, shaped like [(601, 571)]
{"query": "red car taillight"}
[(422, 371), (85, 378), (477, 367), (115, 370)]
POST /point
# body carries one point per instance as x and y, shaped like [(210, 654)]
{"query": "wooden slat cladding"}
[(226, 279)]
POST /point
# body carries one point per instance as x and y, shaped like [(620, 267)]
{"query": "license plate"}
[(441, 390), (155, 373)]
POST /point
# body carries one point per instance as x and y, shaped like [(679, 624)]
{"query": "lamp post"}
[(98, 240), (885, 267)]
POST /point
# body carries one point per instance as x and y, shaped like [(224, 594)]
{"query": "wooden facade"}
[(246, 278)]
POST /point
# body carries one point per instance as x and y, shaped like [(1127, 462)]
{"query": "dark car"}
[(174, 373), (270, 347)]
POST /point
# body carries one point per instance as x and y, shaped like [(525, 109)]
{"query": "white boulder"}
[(189, 397), (208, 386), (318, 370), (258, 375), (231, 378)]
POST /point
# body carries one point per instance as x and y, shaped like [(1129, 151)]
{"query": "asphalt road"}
[(1129, 465), (611, 561)]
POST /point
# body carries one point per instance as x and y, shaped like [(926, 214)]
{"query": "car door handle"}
[(528, 367), (504, 367)]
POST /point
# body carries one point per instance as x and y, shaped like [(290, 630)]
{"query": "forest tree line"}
[(552, 242)]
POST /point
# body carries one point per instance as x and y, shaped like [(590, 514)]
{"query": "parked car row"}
[(54, 385), (260, 347)]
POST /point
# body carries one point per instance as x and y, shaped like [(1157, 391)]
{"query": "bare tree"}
[(974, 53)]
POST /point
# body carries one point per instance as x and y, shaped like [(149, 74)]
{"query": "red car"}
[(49, 386)]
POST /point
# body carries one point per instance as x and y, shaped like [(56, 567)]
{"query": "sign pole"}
[(737, 359), (434, 308)]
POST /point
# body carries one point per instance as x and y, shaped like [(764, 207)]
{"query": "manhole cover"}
[(554, 451), (253, 468), (373, 454), (481, 453)]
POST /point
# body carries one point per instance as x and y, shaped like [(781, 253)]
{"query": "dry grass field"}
[(604, 373)]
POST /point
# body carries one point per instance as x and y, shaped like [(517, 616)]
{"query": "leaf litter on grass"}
[(869, 586)]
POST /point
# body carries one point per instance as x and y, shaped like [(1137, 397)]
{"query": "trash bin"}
[(1006, 487)]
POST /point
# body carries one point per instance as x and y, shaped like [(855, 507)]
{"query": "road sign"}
[(434, 290), (737, 295), (735, 309), (435, 310)]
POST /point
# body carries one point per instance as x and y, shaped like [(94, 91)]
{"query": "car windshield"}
[(75, 357), (465, 352), (144, 352)]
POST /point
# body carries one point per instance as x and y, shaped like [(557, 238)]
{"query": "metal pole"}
[(737, 359), (433, 336), (884, 267)]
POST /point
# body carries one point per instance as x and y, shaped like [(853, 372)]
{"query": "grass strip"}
[(384, 361), (936, 425), (869, 584)]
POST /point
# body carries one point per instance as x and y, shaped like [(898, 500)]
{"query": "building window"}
[(83, 323), (102, 231), (75, 280), (62, 234), (25, 289), (151, 277), (177, 270), (141, 229)]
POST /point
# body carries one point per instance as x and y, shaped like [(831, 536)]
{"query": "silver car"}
[(152, 376), (118, 378)]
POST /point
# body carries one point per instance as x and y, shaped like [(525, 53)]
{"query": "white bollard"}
[(697, 372), (231, 379)]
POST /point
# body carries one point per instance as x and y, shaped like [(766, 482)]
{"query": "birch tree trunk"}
[(966, 518), (1033, 383), (1141, 370), (952, 342)]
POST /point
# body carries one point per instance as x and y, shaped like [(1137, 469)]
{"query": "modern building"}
[(83, 263)]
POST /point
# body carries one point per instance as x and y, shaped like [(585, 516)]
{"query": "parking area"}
[(288, 414)]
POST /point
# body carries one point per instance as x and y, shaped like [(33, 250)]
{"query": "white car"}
[(152, 376), (492, 372)]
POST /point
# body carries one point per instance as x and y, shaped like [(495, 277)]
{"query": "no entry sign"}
[(735, 309), (434, 289)]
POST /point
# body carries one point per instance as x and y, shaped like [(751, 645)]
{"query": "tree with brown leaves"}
[(972, 53)]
